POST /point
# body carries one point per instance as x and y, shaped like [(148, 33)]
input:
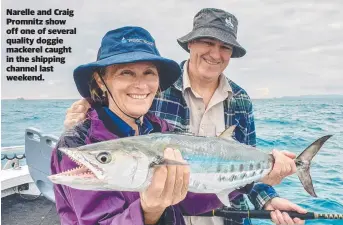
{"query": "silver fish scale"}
[(211, 154)]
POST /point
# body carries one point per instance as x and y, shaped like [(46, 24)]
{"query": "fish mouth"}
[(80, 171), (85, 168)]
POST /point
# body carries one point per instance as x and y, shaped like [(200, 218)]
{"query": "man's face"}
[(208, 57)]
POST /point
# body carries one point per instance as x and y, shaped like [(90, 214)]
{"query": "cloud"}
[(43, 96), (293, 47), (264, 91), (54, 82)]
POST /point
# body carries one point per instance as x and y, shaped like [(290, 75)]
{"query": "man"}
[(204, 102)]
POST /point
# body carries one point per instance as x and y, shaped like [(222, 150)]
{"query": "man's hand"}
[(283, 218), (284, 166), (76, 113)]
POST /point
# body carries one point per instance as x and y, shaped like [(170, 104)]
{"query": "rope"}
[(4, 156), (16, 190)]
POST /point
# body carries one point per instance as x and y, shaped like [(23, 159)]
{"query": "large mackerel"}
[(218, 165)]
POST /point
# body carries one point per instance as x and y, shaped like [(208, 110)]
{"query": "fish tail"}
[(303, 163)]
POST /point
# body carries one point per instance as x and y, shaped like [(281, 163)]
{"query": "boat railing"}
[(38, 148), (12, 155)]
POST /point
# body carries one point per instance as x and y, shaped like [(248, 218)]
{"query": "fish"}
[(218, 165)]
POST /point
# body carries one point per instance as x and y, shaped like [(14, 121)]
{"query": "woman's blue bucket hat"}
[(127, 45)]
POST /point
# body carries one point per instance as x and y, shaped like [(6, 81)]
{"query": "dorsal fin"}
[(227, 134), (180, 133)]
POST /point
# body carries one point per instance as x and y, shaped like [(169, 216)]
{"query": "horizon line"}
[(287, 96)]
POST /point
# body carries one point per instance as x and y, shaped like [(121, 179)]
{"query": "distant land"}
[(337, 96), (312, 96)]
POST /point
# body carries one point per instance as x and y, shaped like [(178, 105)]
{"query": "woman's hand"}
[(284, 166), (76, 113), (169, 186)]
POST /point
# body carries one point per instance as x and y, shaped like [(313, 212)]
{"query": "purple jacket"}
[(112, 207)]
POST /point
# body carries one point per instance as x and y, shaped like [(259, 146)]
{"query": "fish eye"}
[(104, 157)]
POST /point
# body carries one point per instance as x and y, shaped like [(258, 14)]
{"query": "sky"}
[(293, 47)]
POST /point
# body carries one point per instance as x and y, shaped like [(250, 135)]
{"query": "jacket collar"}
[(103, 129)]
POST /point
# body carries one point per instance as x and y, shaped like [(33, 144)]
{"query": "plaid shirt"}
[(171, 106)]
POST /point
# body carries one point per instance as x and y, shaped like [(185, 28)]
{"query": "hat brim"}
[(212, 32), (169, 70)]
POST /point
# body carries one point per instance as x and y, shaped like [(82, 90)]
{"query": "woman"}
[(127, 75)]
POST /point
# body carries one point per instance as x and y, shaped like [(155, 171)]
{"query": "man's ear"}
[(189, 44)]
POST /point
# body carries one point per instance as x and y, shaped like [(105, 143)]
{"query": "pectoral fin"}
[(160, 161), (227, 134), (224, 197)]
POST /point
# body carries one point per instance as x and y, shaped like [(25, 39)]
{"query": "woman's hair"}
[(98, 96)]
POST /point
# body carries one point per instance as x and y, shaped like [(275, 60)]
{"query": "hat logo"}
[(228, 22), (123, 40), (136, 40)]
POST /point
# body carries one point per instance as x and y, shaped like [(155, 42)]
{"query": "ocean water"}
[(285, 124)]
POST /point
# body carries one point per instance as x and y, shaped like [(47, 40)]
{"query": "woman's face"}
[(133, 87)]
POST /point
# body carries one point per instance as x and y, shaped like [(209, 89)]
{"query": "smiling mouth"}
[(135, 96), (211, 62)]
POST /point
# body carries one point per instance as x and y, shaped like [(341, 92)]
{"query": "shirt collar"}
[(224, 84), (185, 77), (121, 128)]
